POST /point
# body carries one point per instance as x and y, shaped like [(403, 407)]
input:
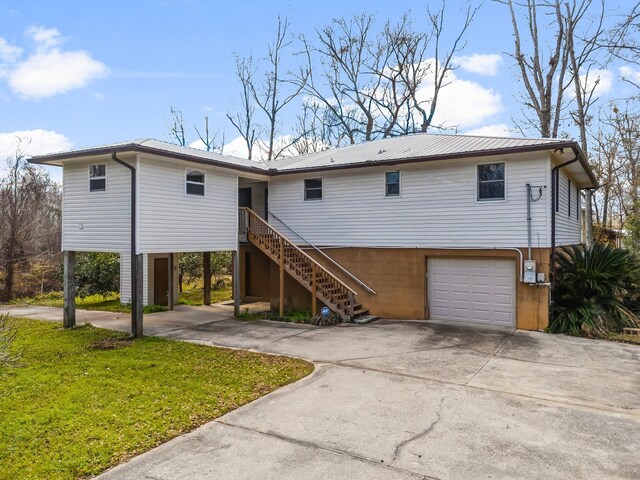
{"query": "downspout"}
[(136, 329), (552, 267)]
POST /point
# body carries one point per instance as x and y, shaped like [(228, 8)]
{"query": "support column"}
[(281, 277), (170, 299), (314, 291), (137, 291), (236, 282), (206, 263), (69, 303)]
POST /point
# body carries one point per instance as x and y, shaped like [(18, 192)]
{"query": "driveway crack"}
[(422, 434)]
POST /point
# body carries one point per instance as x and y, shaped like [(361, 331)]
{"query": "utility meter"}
[(529, 271)]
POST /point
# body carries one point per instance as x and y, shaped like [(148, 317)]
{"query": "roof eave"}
[(136, 148)]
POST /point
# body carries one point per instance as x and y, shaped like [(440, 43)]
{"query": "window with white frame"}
[(392, 184), (97, 178), (491, 181), (195, 183), (313, 189)]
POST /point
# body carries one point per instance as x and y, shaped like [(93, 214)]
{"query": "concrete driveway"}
[(404, 400)]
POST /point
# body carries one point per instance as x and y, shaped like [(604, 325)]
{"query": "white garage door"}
[(472, 290)]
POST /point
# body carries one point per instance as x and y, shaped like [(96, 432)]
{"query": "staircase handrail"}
[(253, 214), (344, 270)]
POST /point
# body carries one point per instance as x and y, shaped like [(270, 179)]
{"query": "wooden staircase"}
[(322, 284)]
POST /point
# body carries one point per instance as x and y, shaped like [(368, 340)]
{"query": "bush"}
[(97, 274), (597, 290)]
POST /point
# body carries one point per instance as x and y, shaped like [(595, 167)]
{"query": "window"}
[(491, 181), (195, 183), (97, 178), (569, 197), (313, 189), (392, 184)]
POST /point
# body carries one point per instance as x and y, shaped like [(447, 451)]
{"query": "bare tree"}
[(243, 120), (442, 60), (542, 71), (275, 91), (176, 126), (372, 84), (623, 40), (29, 217), (210, 140), (582, 49)]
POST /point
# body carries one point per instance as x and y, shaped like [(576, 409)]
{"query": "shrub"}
[(596, 290), (97, 274)]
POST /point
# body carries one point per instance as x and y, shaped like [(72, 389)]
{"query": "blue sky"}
[(76, 74)]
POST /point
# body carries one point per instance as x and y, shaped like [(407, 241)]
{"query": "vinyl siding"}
[(96, 221), (148, 264), (437, 206), (172, 221), (567, 225)]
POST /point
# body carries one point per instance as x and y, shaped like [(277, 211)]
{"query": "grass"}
[(111, 303), (296, 316), (83, 400), (195, 296)]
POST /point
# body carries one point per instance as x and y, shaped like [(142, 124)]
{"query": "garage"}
[(472, 290)]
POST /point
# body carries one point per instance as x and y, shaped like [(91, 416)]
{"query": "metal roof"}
[(154, 147), (394, 150)]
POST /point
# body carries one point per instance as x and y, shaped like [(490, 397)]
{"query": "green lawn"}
[(111, 303), (82, 400)]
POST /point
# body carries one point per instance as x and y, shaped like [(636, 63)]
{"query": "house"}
[(447, 227)]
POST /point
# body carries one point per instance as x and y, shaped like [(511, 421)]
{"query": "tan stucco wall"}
[(258, 283), (398, 276)]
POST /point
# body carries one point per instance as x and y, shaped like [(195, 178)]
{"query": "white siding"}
[(96, 221), (125, 278), (148, 264), (567, 223), (437, 206), (172, 221)]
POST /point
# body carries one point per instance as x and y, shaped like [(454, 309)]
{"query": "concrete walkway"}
[(405, 400)]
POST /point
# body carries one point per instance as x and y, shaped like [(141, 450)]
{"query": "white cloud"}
[(630, 73), (45, 38), (464, 104), (599, 80), (51, 73), (34, 142), (49, 70), (482, 64), (495, 130), (8, 52)]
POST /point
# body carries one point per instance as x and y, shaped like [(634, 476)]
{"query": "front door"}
[(161, 281), (244, 197)]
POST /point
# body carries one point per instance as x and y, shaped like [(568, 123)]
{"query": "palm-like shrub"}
[(597, 290)]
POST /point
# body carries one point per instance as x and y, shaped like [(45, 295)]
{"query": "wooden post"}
[(314, 291), (351, 306), (137, 308), (206, 261), (170, 299), (281, 277), (69, 302), (236, 283)]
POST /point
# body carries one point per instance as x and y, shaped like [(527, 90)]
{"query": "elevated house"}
[(444, 227)]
